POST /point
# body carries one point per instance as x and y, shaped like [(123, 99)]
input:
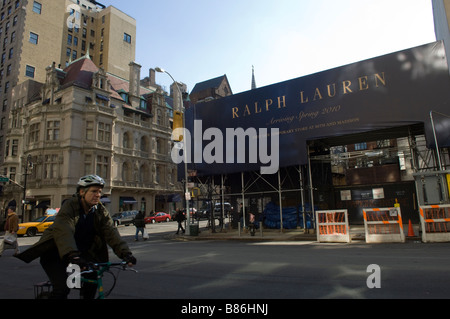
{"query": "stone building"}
[(83, 120)]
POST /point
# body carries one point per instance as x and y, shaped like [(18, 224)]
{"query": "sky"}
[(198, 40)]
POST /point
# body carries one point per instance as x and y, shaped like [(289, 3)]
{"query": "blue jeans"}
[(139, 229)]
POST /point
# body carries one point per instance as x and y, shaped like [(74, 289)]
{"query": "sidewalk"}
[(357, 233)]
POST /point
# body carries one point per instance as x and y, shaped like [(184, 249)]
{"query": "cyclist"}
[(80, 234)]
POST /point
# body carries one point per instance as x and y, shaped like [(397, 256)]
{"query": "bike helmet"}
[(91, 180)]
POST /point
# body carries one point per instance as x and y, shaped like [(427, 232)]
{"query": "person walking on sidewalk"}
[(139, 222), (179, 217), (11, 228)]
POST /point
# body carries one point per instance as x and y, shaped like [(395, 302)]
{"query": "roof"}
[(81, 72), (213, 83)]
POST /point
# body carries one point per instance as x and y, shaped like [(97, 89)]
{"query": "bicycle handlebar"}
[(96, 266)]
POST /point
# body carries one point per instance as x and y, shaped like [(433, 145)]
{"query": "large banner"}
[(394, 90)]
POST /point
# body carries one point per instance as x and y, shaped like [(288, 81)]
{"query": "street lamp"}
[(186, 190), (27, 164)]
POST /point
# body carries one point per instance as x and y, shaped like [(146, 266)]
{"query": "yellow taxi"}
[(39, 225)]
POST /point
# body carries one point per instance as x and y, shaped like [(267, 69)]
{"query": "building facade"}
[(83, 120), (35, 33)]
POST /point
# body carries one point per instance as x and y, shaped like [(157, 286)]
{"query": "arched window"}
[(127, 174), (127, 140), (144, 174), (145, 145)]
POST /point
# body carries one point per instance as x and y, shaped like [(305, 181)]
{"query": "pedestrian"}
[(80, 234), (11, 228), (139, 222), (241, 215), (179, 217)]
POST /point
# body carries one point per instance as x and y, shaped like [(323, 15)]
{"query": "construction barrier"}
[(332, 226), (383, 225), (435, 221)]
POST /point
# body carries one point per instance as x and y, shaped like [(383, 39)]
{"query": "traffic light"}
[(195, 192), (177, 125)]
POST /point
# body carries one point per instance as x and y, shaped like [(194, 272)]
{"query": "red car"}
[(157, 218)]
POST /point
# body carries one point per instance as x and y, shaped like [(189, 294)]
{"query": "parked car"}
[(157, 218), (39, 225), (124, 218)]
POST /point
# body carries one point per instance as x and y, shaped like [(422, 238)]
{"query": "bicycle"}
[(43, 290)]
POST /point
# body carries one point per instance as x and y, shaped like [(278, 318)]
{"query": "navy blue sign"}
[(388, 91)]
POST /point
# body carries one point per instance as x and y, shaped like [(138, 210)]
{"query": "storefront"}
[(349, 137)]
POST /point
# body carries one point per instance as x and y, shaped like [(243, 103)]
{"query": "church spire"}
[(253, 78)]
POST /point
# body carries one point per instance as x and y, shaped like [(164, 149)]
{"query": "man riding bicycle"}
[(80, 234)]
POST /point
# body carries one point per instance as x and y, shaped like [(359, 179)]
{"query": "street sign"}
[(4, 179)]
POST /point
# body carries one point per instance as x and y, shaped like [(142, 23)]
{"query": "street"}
[(242, 270)]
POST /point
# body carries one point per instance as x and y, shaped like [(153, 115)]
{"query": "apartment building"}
[(83, 120), (36, 33), (73, 105), (107, 34)]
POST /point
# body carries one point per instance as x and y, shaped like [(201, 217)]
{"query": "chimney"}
[(135, 79), (152, 77)]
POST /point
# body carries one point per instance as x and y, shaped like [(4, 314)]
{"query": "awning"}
[(44, 204), (105, 200), (386, 92), (174, 198), (102, 97), (127, 200)]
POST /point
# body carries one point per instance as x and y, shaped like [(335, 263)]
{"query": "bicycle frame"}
[(100, 269)]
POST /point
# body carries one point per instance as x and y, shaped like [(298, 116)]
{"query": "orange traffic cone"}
[(411, 230)]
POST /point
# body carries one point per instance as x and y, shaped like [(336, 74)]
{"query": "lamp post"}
[(186, 190), (27, 163)]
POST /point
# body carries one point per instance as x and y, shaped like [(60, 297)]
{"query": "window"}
[(87, 164), (34, 132), (53, 130), (127, 38), (360, 146), (34, 38), (69, 39), (104, 132), (15, 148), (102, 166), (51, 166), (127, 141), (11, 53), (12, 173), (30, 71), (89, 130), (37, 7)]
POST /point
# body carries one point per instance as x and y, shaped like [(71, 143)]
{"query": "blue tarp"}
[(292, 217)]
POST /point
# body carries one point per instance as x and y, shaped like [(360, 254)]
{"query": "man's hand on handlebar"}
[(130, 259)]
